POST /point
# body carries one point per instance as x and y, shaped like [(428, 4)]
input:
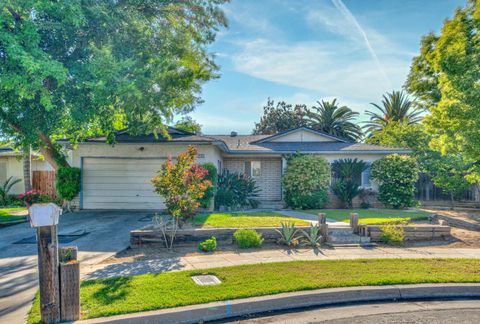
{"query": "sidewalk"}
[(178, 261)]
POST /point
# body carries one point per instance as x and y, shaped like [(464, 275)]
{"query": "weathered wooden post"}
[(354, 222), (69, 284), (322, 218), (45, 219)]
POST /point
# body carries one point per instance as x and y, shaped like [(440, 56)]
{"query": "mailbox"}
[(44, 214)]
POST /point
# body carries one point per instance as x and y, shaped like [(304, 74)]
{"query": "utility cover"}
[(206, 280)]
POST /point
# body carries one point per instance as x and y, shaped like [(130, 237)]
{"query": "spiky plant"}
[(5, 189), (288, 234), (312, 237)]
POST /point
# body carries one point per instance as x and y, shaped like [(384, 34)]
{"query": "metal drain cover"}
[(206, 280)]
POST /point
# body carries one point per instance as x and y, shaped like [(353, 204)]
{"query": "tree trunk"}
[(49, 151), (27, 159)]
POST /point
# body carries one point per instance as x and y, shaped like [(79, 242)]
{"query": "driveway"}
[(108, 233)]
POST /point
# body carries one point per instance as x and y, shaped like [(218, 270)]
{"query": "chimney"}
[(233, 134)]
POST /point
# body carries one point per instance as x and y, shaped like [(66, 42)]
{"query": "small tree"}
[(182, 184), (211, 176), (348, 173), (396, 176), (306, 177)]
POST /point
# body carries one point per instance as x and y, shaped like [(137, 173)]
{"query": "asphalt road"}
[(428, 312)]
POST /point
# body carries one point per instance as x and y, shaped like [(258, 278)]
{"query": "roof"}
[(255, 144), (301, 128), (8, 151)]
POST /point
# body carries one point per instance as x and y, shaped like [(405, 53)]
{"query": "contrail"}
[(351, 18)]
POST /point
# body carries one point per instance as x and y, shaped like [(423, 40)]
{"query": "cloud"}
[(330, 68)]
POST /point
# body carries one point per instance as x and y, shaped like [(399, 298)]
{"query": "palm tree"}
[(328, 117), (395, 107)]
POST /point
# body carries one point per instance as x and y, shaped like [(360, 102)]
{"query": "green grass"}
[(5, 214), (373, 216), (245, 220), (105, 297)]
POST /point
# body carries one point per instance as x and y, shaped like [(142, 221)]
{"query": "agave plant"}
[(5, 189), (312, 237), (288, 234)]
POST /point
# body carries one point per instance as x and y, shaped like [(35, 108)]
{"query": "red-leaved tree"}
[(182, 184)]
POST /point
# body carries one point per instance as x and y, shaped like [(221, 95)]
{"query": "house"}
[(118, 176), (11, 165)]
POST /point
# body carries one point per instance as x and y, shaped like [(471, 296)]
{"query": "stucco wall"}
[(271, 175), (14, 168), (302, 136)]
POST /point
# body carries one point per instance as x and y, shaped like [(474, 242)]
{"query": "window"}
[(366, 177), (3, 171), (253, 168)]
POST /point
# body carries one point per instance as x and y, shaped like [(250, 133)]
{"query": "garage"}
[(119, 183)]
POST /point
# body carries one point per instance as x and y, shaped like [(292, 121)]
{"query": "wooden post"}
[(48, 274), (69, 284), (322, 218), (354, 222), (324, 232)]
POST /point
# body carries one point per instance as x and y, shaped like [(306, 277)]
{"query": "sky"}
[(302, 51)]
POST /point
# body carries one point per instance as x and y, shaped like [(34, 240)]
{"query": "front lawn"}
[(373, 216), (6, 214), (121, 295), (245, 220)]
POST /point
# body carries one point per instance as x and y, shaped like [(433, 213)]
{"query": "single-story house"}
[(118, 176), (11, 165)]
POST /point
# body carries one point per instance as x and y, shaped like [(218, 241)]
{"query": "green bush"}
[(396, 176), (306, 181), (346, 190), (247, 238), (209, 245), (348, 173), (392, 234), (235, 190), (68, 183), (210, 192)]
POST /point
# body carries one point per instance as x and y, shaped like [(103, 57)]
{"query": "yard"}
[(245, 220), (373, 216), (12, 214), (121, 295)]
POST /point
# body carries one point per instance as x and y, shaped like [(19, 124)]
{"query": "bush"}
[(235, 190), (396, 176), (392, 234), (209, 245), (247, 238), (68, 183), (182, 184), (346, 190), (305, 180), (315, 200), (348, 173), (5, 189), (210, 192)]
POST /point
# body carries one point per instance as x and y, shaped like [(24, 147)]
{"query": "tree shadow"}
[(112, 289)]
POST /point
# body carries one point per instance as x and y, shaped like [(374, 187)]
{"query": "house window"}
[(366, 178), (253, 168)]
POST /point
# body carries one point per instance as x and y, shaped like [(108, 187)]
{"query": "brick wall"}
[(271, 175)]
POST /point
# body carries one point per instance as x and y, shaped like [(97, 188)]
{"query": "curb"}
[(300, 299)]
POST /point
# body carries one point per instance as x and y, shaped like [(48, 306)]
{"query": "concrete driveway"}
[(108, 234)]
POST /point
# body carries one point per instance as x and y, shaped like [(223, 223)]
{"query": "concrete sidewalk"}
[(180, 261)]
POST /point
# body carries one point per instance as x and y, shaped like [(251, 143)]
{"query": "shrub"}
[(235, 190), (209, 245), (68, 183), (210, 192), (348, 173), (182, 184), (5, 189), (306, 179), (288, 234), (312, 237), (396, 176), (392, 234), (247, 238), (31, 197)]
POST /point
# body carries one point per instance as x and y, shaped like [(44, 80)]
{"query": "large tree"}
[(445, 77), (333, 119), (395, 107), (279, 118), (188, 124), (77, 68)]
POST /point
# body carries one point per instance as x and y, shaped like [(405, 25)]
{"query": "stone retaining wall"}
[(412, 232), (149, 236)]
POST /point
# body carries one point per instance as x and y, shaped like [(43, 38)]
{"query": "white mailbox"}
[(44, 214)]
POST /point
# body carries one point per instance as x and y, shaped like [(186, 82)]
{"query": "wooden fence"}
[(44, 181)]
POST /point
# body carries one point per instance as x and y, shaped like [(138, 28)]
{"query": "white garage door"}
[(111, 183)]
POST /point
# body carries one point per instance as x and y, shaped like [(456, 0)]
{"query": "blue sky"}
[(302, 51)]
